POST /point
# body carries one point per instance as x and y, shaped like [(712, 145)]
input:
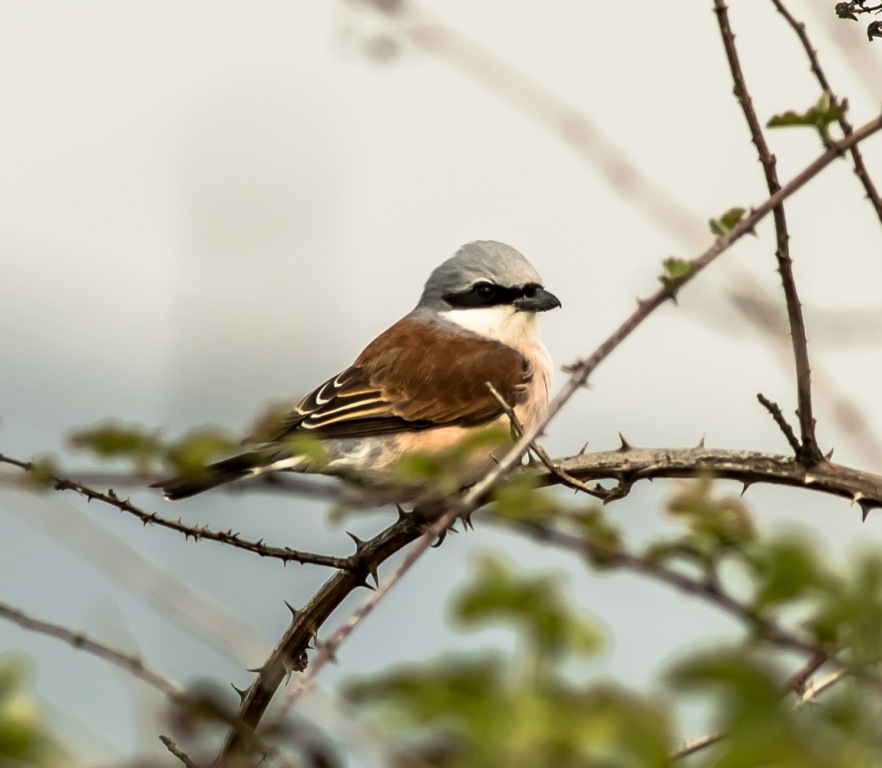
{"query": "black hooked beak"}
[(540, 300)]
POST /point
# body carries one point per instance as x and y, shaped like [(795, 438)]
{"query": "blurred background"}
[(208, 206)]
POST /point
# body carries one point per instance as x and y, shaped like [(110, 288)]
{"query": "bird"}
[(422, 387)]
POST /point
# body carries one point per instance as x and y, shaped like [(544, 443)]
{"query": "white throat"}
[(518, 330)]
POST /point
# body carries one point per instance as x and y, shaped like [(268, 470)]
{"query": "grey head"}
[(485, 274)]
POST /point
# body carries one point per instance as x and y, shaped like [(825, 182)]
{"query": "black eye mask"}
[(486, 294)]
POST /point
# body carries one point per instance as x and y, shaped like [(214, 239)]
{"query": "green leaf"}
[(726, 223), (24, 740), (535, 604), (820, 116), (676, 272), (117, 440), (309, 447), (522, 500), (191, 455), (712, 522), (113, 439), (851, 613), (788, 569)]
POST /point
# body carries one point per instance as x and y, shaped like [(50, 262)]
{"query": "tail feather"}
[(226, 471)]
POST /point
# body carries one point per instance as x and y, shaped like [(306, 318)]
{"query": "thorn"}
[(291, 608), (747, 484), (372, 569), (359, 544), (361, 581), (256, 670), (440, 540), (402, 515), (452, 529), (625, 446), (493, 458), (584, 448), (467, 523), (701, 442), (866, 506), (242, 694), (829, 455)]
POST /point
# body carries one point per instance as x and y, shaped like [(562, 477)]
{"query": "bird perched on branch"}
[(421, 387)]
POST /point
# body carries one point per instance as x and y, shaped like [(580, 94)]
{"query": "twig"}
[(799, 679), (257, 697), (775, 411), (128, 662), (809, 452), (568, 480), (816, 689), (189, 531), (697, 745), (182, 756), (795, 683), (860, 169)]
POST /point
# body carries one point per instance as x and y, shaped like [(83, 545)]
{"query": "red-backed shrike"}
[(421, 386)]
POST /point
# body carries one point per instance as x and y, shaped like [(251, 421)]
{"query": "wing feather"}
[(414, 376)]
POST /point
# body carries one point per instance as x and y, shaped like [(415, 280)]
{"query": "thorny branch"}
[(129, 662), (860, 168), (809, 453), (190, 531), (568, 480), (288, 654)]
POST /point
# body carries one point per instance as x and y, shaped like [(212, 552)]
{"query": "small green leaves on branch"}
[(726, 223), (676, 272), (24, 738), (520, 501), (826, 111), (535, 605), (148, 452)]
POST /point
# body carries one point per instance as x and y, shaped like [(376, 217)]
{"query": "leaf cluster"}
[(24, 737)]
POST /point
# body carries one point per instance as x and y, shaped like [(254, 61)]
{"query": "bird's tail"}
[(220, 473)]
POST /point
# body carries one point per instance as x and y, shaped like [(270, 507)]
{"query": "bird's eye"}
[(530, 290), (485, 291)]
